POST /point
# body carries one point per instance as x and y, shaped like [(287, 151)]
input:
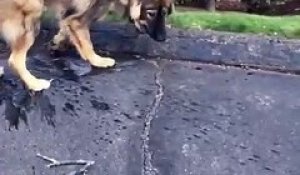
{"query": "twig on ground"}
[(56, 163)]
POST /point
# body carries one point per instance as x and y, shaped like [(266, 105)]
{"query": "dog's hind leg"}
[(60, 41), (78, 31), (20, 41)]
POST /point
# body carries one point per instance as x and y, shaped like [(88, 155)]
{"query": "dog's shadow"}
[(18, 102)]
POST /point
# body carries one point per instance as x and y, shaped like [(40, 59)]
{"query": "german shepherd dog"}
[(20, 24)]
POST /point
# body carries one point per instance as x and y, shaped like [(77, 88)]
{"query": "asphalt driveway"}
[(152, 115)]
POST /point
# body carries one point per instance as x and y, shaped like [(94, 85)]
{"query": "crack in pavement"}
[(148, 169)]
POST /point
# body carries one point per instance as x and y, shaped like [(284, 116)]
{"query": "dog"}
[(20, 24)]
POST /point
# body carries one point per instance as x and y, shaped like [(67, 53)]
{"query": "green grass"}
[(286, 26)]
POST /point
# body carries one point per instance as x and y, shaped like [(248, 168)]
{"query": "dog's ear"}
[(135, 9), (171, 9)]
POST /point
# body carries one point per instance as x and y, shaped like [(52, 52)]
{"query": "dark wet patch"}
[(69, 107), (147, 92), (100, 105), (14, 114), (268, 169), (20, 102), (242, 163), (250, 73), (47, 110), (86, 89), (127, 115), (275, 152), (198, 68), (117, 121)]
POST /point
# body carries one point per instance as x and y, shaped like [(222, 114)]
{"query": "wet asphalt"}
[(151, 116)]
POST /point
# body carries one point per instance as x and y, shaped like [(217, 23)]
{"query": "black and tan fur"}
[(19, 24)]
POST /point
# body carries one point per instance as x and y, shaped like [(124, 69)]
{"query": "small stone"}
[(79, 67)]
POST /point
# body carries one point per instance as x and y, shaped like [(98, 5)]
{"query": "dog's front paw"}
[(35, 84), (103, 62)]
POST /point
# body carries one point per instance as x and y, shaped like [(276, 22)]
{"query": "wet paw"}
[(102, 62), (63, 46), (37, 84)]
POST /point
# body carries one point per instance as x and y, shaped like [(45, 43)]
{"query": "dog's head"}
[(150, 16)]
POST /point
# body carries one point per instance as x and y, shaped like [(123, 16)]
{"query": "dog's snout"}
[(160, 37)]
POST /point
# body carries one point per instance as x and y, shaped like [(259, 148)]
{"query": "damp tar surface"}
[(88, 113), (150, 117)]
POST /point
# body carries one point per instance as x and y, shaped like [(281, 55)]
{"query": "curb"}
[(202, 46)]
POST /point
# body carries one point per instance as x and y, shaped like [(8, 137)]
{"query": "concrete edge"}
[(225, 48)]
